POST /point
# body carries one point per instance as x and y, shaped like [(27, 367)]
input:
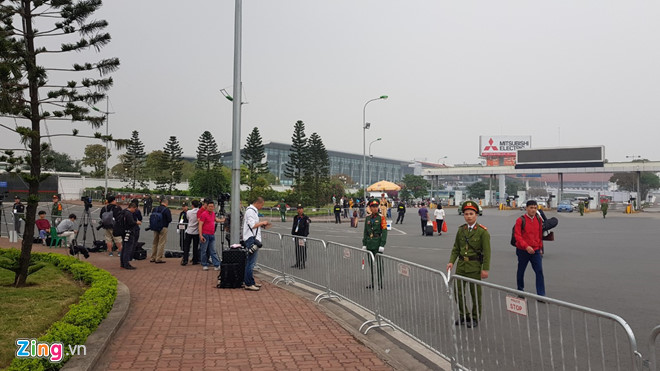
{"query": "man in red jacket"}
[(529, 244)]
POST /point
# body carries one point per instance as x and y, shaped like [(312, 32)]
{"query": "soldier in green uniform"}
[(603, 207), (56, 211), (581, 208), (472, 249), (282, 206), (374, 239)]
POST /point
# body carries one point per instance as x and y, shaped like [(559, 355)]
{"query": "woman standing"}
[(439, 215)]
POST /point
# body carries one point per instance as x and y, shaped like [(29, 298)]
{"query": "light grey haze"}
[(565, 72)]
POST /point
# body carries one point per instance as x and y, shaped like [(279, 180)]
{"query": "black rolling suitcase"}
[(232, 269), (428, 230)]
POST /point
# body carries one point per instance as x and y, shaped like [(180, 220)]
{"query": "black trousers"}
[(439, 223), (424, 225), (194, 238), (127, 251), (400, 217), (301, 253), (337, 218)]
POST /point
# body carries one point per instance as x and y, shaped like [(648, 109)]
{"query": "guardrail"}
[(653, 337)]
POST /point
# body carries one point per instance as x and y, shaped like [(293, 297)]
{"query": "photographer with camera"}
[(113, 233), (252, 234), (127, 224), (67, 228)]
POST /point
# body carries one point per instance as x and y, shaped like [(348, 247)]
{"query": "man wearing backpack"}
[(113, 233), (160, 218), (528, 233)]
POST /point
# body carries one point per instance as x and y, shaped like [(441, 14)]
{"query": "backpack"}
[(513, 231), (156, 222), (108, 219)]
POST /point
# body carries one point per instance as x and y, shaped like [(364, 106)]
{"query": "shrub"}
[(82, 318)]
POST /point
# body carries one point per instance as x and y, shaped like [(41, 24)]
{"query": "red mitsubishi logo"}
[(491, 146)]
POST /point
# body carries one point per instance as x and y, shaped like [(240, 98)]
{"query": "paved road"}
[(607, 264)]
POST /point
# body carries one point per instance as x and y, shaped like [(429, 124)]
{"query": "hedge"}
[(82, 318)]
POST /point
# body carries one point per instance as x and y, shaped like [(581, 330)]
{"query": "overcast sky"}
[(568, 73)]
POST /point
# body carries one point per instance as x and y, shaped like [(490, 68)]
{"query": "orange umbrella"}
[(382, 186)]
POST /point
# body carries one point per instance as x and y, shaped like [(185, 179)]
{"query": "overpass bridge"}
[(501, 171)]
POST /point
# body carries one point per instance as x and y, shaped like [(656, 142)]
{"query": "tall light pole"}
[(366, 126), (236, 128), (371, 156), (107, 133)]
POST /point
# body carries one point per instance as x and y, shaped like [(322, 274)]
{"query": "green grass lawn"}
[(28, 312)]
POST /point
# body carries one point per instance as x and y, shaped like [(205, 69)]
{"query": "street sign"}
[(516, 305)]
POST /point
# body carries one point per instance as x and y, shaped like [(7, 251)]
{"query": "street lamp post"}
[(371, 156), (107, 133), (366, 126)]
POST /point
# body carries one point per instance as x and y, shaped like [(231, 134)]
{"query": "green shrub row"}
[(82, 318)]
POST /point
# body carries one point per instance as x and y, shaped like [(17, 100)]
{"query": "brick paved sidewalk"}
[(178, 320)]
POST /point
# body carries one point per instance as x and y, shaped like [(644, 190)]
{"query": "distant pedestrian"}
[(345, 204), (423, 213), (148, 205), (163, 216), (472, 250), (528, 233), (581, 208), (301, 228), (283, 207), (603, 207), (439, 215), (182, 224), (337, 211), (383, 205), (401, 210)]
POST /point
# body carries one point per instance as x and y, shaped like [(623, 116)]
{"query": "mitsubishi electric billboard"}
[(503, 145)]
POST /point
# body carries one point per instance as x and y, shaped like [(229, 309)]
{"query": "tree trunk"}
[(35, 148)]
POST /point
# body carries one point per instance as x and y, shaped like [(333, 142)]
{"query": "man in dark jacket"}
[(337, 210), (401, 209), (148, 204), (127, 224), (160, 237), (113, 232), (301, 228)]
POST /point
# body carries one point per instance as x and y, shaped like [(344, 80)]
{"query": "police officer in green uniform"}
[(603, 208), (374, 239), (472, 249), (283, 210)]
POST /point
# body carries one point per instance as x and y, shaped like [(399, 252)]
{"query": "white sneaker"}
[(216, 268), (205, 268), (252, 288)]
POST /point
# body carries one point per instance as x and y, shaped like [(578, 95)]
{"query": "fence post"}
[(327, 294)]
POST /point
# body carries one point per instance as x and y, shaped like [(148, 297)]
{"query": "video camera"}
[(87, 201), (222, 198)]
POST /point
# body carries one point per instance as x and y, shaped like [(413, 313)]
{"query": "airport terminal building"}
[(341, 163)]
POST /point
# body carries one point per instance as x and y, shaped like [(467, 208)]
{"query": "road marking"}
[(398, 230)]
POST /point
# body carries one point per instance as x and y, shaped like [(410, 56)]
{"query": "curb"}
[(98, 341)]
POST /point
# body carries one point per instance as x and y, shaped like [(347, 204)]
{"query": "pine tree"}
[(295, 167), (171, 163), (253, 158), (31, 93), (317, 171), (208, 156), (134, 161)]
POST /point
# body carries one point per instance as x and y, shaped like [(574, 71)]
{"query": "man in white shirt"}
[(252, 235), (191, 235)]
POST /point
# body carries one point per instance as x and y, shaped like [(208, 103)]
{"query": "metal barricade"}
[(519, 330), (352, 278), (415, 300), (270, 255), (653, 337), (305, 260)]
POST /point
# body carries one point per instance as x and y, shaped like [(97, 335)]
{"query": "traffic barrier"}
[(653, 346), (305, 260), (519, 330)]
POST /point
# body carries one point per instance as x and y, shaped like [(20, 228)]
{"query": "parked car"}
[(565, 206), (481, 210)]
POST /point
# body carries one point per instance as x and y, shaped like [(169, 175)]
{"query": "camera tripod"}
[(86, 220)]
